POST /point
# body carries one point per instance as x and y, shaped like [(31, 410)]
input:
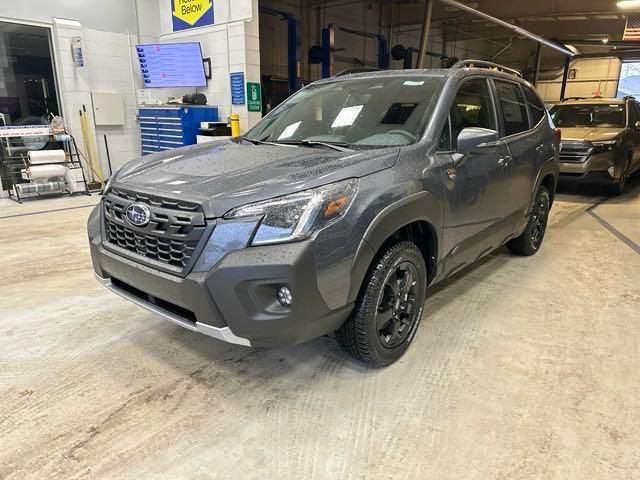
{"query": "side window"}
[(444, 143), (472, 107), (514, 109), (536, 107)]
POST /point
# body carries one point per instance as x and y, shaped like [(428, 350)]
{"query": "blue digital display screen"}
[(166, 65)]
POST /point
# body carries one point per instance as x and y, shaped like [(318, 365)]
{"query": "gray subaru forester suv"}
[(336, 211)]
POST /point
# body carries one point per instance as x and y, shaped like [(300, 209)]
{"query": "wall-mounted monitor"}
[(165, 65)]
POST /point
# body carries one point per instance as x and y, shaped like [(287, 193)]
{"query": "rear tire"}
[(387, 313), (531, 239)]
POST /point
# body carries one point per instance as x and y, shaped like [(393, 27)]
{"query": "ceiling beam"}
[(517, 30)]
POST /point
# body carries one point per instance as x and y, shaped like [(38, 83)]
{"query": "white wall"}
[(107, 58), (109, 64), (110, 15), (594, 76), (106, 28), (110, 29), (233, 44)]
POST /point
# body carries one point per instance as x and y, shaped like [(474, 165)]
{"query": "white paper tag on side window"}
[(347, 116), (414, 83)]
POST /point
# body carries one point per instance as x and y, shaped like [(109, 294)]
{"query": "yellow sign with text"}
[(192, 13)]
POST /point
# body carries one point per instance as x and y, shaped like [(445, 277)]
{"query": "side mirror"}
[(473, 137)]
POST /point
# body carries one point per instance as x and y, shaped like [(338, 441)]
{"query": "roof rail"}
[(596, 97), (488, 65), (353, 71)]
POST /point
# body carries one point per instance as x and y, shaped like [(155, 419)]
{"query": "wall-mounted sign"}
[(254, 97), (237, 88), (191, 14), (76, 51)]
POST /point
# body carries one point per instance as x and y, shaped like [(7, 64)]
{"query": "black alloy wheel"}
[(388, 310), (530, 241), (397, 310), (618, 189), (539, 219)]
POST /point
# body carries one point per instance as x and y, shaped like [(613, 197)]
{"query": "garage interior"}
[(521, 368)]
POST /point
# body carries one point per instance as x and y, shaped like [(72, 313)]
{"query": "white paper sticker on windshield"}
[(347, 116), (413, 83), (290, 130)]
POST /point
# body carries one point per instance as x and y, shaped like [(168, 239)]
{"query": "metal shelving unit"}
[(16, 142)]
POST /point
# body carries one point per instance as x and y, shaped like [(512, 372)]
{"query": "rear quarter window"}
[(536, 107), (513, 107)]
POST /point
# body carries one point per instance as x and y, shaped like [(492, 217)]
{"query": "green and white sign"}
[(254, 97)]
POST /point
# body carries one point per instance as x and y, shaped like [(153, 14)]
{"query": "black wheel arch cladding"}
[(412, 218)]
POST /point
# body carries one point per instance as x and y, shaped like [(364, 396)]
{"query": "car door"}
[(476, 183), (634, 117), (527, 146)]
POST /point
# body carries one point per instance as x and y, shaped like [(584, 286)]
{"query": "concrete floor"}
[(522, 368)]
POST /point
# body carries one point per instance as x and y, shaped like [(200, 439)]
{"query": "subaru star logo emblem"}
[(138, 215)]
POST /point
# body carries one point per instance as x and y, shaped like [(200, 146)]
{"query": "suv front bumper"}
[(221, 333), (235, 301), (595, 169)]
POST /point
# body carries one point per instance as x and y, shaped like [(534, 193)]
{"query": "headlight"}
[(226, 237), (606, 145), (297, 216)]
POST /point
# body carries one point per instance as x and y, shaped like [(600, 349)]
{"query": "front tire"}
[(618, 188), (531, 239), (387, 313)]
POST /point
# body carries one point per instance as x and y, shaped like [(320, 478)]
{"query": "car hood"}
[(226, 174), (591, 134)]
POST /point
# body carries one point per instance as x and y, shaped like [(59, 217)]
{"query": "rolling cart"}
[(16, 143)]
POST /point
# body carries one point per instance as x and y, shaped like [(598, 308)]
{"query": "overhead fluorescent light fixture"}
[(629, 4)]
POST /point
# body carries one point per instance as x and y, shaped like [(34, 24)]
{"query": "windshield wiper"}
[(339, 146), (257, 142)]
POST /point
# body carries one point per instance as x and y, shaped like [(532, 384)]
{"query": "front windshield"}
[(371, 112), (599, 115)]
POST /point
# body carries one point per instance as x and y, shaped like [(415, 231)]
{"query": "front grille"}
[(575, 152), (169, 240), (152, 200)]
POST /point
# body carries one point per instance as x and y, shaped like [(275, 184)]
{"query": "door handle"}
[(504, 161)]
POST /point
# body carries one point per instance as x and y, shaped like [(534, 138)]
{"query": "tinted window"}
[(514, 109), (472, 107), (536, 107), (601, 115), (444, 144)]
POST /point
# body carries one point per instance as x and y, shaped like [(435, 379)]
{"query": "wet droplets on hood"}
[(223, 175)]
